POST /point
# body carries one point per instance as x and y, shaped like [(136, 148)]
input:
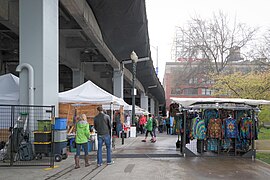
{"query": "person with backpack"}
[(149, 128)]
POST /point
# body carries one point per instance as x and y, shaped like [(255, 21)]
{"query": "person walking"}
[(142, 122), (81, 140), (160, 124), (102, 125), (168, 125), (155, 124), (149, 128)]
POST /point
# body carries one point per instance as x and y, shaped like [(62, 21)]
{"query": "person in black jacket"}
[(102, 125)]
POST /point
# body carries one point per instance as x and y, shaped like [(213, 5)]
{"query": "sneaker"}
[(144, 140), (99, 165), (110, 163)]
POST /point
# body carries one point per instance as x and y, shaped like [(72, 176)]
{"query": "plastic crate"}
[(59, 147), (45, 147), (60, 124), (44, 125), (60, 135), (40, 136)]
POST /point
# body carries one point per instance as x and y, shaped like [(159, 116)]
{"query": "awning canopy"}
[(124, 28), (9, 89), (188, 102), (89, 93)]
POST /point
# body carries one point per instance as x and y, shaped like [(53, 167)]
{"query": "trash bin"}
[(95, 143), (133, 131)]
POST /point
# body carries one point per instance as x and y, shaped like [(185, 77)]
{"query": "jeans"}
[(78, 149), (107, 139)]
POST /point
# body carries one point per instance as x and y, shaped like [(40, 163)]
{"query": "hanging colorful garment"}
[(178, 124), (215, 128), (226, 143), (193, 127), (246, 128), (209, 114), (212, 144), (200, 132), (231, 128)]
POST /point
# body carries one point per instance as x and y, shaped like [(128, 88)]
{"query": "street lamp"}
[(134, 58)]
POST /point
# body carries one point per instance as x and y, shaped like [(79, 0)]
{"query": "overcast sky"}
[(163, 16)]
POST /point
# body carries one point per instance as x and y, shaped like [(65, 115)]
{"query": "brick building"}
[(187, 78)]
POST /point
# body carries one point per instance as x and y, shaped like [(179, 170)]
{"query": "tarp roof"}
[(127, 107), (89, 93), (9, 89), (124, 28), (187, 102)]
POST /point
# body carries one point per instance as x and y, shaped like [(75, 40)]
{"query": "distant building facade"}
[(188, 78)]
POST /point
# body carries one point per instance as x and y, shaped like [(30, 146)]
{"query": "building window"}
[(190, 91), (207, 92), (193, 81), (176, 91), (207, 81)]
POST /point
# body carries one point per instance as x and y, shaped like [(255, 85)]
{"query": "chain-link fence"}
[(26, 137)]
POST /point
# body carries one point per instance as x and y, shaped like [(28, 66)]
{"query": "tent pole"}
[(111, 108)]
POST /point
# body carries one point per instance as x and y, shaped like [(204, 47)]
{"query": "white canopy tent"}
[(188, 102), (9, 95), (9, 89), (140, 111), (89, 93), (127, 107)]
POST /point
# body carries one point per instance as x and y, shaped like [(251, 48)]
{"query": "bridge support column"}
[(144, 101), (77, 77), (118, 83), (152, 106), (39, 48)]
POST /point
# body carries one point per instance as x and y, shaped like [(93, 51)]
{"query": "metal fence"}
[(26, 137)]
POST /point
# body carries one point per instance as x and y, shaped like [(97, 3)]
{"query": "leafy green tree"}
[(251, 86)]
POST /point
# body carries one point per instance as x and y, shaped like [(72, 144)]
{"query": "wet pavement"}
[(146, 160)]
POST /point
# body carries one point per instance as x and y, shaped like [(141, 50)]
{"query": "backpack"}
[(154, 123), (26, 152)]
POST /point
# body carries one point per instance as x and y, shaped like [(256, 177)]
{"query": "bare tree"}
[(260, 52), (213, 39)]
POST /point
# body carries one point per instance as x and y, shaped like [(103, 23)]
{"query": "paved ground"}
[(138, 160)]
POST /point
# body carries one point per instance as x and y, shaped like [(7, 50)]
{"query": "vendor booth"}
[(85, 99), (216, 126)]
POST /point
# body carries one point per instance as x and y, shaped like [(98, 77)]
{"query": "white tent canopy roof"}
[(187, 102), (89, 93), (127, 107), (9, 89)]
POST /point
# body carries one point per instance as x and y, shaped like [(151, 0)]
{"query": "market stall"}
[(85, 99), (217, 126)]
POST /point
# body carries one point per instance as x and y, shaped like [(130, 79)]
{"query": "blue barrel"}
[(60, 124)]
